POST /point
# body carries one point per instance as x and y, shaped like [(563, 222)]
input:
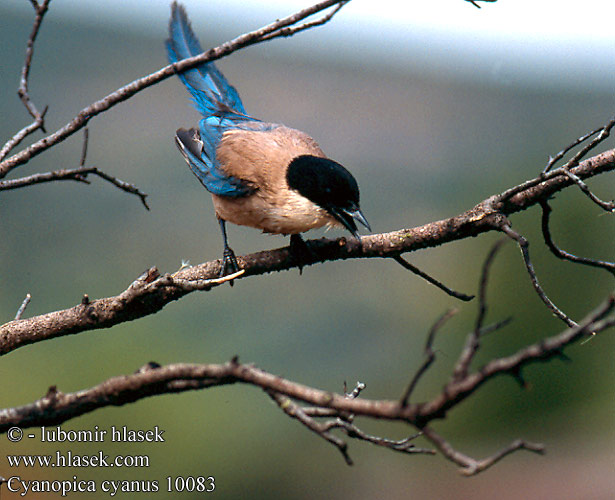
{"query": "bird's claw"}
[(301, 252), (229, 264)]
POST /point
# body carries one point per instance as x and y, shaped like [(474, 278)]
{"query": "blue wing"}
[(219, 103), (213, 179)]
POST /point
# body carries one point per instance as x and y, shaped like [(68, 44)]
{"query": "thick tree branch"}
[(57, 407), (146, 295), (143, 298)]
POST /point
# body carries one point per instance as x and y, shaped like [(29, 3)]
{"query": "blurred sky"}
[(549, 43)]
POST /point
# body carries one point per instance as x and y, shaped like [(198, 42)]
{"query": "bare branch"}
[(561, 254), (56, 407), (470, 466), (103, 313), (410, 267), (40, 10), (602, 136), (23, 306), (472, 342), (39, 118), (22, 134), (77, 174), (322, 429), (402, 445), (524, 247), (146, 295), (290, 31), (557, 172), (603, 133), (553, 160), (609, 206), (430, 355), (456, 391), (269, 32)]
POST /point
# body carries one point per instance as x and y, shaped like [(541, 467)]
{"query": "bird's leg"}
[(300, 251), (229, 261)]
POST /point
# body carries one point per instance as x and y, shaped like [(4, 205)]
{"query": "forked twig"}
[(470, 466), (430, 355), (295, 411), (22, 91), (524, 247), (561, 254), (473, 339)]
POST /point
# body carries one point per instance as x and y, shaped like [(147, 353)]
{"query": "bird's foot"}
[(301, 252), (229, 264)]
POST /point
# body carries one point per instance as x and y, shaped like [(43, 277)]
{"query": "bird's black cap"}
[(330, 186)]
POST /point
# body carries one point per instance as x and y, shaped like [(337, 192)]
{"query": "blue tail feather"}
[(211, 92), (219, 103)]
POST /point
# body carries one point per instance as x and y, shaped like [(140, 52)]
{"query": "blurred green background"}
[(424, 143)]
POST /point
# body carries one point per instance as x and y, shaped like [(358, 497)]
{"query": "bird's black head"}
[(329, 185)]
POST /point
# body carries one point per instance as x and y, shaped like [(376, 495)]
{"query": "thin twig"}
[(295, 411), (402, 445), (23, 306), (470, 466), (77, 174), (558, 252), (602, 136), (473, 340), (486, 330), (609, 206), (22, 134), (22, 91), (410, 267), (603, 133), (524, 247), (550, 173), (84, 148), (358, 388), (290, 31), (553, 160), (430, 355), (40, 10)]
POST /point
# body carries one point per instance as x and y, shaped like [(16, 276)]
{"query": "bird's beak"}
[(348, 217)]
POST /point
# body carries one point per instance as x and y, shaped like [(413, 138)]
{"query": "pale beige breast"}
[(261, 159), (290, 214)]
